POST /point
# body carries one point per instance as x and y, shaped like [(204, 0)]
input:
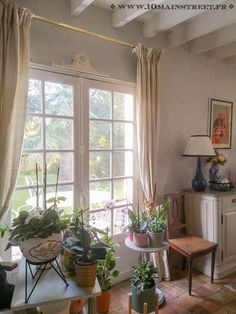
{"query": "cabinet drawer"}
[(229, 201)]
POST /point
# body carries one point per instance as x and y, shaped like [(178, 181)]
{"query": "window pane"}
[(62, 160), (33, 133), (27, 172), (123, 135), (122, 164), (120, 220), (101, 220), (23, 200), (99, 134), (99, 104), (58, 99), (99, 165), (35, 96), (99, 193), (123, 189), (66, 192), (59, 133), (123, 106)]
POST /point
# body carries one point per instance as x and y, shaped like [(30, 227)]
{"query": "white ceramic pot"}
[(38, 250)]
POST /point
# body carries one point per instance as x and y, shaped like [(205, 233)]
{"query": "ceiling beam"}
[(166, 19), (78, 6), (203, 24), (222, 52), (214, 40), (128, 12)]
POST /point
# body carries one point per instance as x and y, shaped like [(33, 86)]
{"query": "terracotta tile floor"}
[(206, 298)]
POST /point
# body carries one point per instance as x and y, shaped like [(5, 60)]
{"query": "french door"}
[(86, 128)]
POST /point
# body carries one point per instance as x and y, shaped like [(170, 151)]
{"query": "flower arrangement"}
[(219, 159)]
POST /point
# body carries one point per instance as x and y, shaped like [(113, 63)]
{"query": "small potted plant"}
[(88, 249), (140, 230), (132, 223), (143, 286), (105, 271), (157, 225)]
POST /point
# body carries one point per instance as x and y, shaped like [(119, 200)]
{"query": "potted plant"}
[(38, 232), (140, 230), (157, 225), (105, 271), (132, 223), (143, 286), (88, 249)]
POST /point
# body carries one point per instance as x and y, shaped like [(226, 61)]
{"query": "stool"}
[(144, 306)]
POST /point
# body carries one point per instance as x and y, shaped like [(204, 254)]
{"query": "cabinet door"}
[(229, 234)]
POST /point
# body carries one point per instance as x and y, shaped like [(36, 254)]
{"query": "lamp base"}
[(199, 183)]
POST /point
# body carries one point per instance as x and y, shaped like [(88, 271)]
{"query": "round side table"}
[(145, 255)]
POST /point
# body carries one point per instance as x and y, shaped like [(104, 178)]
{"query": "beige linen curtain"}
[(14, 63), (147, 118), (147, 112)]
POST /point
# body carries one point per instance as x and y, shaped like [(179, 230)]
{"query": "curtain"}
[(147, 115), (147, 118), (14, 63)]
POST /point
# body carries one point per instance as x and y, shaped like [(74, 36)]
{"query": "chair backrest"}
[(176, 215)]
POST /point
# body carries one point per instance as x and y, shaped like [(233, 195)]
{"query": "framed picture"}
[(221, 123)]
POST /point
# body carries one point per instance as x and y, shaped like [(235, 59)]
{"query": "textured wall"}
[(186, 82)]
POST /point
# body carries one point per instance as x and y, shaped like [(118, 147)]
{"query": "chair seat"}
[(191, 245)]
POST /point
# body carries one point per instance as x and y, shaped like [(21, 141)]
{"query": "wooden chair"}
[(189, 246), (145, 308)]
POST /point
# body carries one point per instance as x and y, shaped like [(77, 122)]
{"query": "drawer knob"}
[(234, 200)]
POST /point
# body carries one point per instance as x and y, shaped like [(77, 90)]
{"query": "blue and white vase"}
[(214, 173)]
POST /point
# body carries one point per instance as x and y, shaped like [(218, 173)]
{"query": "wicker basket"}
[(218, 186)]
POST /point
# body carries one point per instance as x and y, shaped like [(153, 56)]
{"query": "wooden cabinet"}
[(212, 216)]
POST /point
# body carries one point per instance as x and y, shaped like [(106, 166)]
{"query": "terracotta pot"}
[(76, 306), (141, 239), (85, 273), (103, 302), (37, 250)]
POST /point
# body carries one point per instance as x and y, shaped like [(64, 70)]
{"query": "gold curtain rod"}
[(82, 30)]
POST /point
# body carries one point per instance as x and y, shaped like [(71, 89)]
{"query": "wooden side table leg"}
[(91, 305), (129, 305), (156, 305), (145, 308)]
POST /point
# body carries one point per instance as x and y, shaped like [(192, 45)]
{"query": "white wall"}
[(186, 82), (185, 86)]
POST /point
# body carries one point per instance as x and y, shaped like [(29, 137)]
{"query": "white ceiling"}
[(212, 31)]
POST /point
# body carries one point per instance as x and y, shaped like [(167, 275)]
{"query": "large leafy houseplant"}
[(86, 245)]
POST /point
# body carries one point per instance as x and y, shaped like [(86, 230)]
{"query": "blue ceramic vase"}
[(214, 173)]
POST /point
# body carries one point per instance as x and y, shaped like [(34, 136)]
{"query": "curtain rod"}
[(82, 30)]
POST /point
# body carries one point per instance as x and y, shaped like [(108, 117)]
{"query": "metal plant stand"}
[(41, 268)]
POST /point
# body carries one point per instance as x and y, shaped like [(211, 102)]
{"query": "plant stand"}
[(41, 268), (145, 256)]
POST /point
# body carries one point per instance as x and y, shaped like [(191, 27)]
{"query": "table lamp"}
[(199, 146)]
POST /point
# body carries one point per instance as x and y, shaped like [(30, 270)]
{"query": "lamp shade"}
[(199, 145)]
